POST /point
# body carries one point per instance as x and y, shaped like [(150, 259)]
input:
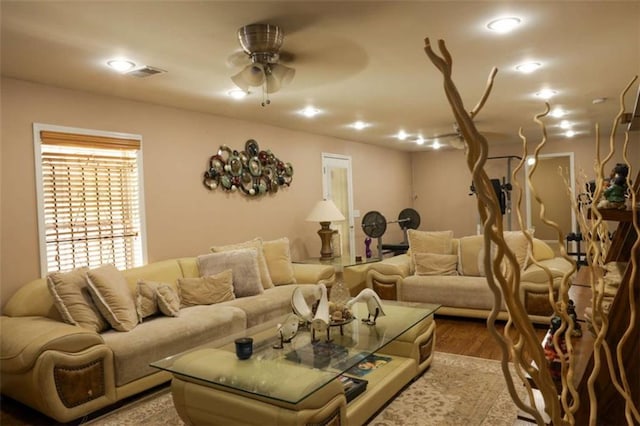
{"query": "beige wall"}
[(441, 180), (183, 218)]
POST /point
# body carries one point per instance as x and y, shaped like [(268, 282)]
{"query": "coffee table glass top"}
[(301, 367)]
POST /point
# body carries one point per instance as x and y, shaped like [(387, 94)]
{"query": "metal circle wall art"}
[(252, 171)]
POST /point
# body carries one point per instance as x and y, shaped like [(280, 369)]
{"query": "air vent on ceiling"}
[(145, 71)]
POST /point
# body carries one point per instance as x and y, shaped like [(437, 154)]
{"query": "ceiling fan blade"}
[(442, 136), (238, 59)]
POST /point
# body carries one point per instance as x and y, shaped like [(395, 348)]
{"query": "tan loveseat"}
[(463, 290), (67, 371)]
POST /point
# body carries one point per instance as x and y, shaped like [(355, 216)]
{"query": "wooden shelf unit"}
[(610, 402)]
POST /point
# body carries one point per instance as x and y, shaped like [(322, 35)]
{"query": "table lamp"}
[(325, 212)]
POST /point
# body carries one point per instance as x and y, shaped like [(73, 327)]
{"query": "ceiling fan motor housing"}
[(262, 42)]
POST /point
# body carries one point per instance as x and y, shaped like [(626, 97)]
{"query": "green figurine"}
[(614, 194)]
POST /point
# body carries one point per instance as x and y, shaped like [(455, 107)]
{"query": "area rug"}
[(456, 390)]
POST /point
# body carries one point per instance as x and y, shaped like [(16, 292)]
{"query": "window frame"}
[(37, 143)]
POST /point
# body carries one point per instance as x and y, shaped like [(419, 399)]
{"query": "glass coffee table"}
[(293, 377)]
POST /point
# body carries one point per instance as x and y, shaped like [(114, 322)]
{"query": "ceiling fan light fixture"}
[(282, 73), (262, 43), (251, 75)]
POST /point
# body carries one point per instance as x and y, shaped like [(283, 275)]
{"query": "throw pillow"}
[(146, 299), (436, 264), (438, 242), (255, 244), (243, 264), (278, 256), (72, 299), (468, 250), (168, 300), (111, 294), (542, 251), (206, 290), (519, 245)]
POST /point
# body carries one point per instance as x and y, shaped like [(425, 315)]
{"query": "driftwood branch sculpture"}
[(519, 342)]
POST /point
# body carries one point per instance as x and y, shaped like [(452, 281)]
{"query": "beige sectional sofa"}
[(452, 275), (67, 371)]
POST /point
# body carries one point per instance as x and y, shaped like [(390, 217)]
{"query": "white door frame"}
[(345, 162), (529, 196)]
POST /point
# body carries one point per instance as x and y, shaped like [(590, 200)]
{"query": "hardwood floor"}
[(470, 337), (463, 336)]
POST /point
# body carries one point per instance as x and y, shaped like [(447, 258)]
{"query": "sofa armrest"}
[(388, 287), (396, 265), (25, 338), (310, 273)]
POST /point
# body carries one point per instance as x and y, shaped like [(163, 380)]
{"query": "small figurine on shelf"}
[(367, 244), (550, 353), (571, 311), (614, 194)]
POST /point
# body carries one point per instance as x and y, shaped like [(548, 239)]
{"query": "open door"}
[(337, 186)]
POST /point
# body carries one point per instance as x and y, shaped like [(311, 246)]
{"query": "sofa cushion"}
[(206, 290), (436, 264), (112, 296), (438, 242), (272, 303), (168, 300), (244, 267), (73, 300), (278, 256), (450, 291), (163, 336), (255, 244), (468, 255)]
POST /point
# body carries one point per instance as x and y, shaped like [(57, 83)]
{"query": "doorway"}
[(549, 183), (337, 186)]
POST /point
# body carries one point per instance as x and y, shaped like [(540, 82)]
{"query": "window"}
[(90, 200)]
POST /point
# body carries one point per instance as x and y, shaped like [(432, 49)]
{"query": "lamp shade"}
[(278, 76), (251, 75), (325, 211)]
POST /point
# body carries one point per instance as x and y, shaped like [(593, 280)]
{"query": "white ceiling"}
[(353, 59)]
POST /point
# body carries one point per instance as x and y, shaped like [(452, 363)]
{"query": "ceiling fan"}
[(453, 139), (261, 44)]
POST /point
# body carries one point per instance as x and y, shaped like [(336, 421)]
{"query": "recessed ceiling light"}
[(546, 93), (564, 124), (528, 67), (504, 25), (121, 65), (359, 125), (237, 93), (569, 133), (531, 161), (420, 140), (310, 111), (436, 145), (558, 113), (402, 135)]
